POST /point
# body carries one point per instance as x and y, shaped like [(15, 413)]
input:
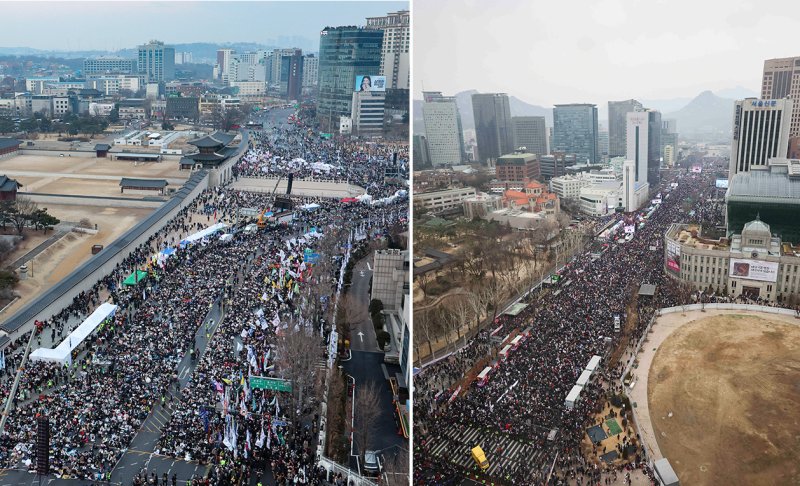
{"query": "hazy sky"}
[(562, 51), (112, 25)]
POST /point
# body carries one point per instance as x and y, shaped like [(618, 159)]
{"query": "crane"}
[(261, 218)]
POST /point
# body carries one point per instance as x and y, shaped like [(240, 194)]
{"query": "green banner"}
[(276, 384)]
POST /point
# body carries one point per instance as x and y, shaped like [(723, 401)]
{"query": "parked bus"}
[(483, 377)]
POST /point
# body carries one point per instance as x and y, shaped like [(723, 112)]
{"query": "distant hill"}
[(202, 52), (707, 113), (464, 102)]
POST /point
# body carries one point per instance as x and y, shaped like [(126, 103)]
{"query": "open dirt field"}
[(80, 166), (724, 399), (66, 254)]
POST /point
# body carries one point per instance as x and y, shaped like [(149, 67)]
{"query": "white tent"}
[(63, 352), (573, 396), (203, 233), (593, 363), (583, 380), (310, 207)]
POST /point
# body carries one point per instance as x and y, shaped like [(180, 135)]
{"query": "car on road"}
[(372, 462)]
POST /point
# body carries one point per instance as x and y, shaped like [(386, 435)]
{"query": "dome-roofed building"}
[(754, 264)]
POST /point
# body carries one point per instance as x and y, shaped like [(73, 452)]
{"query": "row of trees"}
[(71, 124), (490, 266)]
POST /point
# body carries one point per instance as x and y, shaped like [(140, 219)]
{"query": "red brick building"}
[(517, 167)]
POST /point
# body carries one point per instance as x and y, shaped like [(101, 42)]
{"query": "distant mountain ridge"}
[(201, 51), (706, 113)]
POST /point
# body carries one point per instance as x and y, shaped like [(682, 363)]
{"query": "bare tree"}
[(367, 411), (423, 331), (299, 352), (21, 212)]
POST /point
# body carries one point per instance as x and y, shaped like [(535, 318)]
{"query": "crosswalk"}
[(505, 453)]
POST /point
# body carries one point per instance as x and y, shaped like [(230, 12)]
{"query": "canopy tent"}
[(63, 352), (203, 233), (135, 277), (310, 207), (163, 255)]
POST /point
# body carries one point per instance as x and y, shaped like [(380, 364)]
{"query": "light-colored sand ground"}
[(79, 166), (72, 250), (718, 394)]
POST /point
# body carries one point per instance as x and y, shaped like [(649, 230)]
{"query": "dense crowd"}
[(267, 291), (289, 149), (525, 394)]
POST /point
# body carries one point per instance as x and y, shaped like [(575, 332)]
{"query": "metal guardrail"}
[(352, 477)]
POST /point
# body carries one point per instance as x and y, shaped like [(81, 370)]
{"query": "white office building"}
[(636, 140), (390, 278), (310, 70), (442, 129), (446, 199), (600, 199), (368, 111), (568, 186), (760, 132)]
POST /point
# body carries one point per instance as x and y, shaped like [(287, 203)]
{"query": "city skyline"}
[(600, 57), (261, 22)]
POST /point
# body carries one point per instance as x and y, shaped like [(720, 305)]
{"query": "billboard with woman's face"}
[(370, 83)]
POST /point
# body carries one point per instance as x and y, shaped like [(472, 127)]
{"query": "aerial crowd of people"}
[(188, 336), (569, 323)]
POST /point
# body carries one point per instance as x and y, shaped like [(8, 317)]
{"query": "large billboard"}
[(754, 270), (673, 256), (370, 83)]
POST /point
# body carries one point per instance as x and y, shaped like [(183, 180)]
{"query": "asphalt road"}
[(363, 336), (365, 367)]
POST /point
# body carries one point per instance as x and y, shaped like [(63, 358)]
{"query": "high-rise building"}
[(555, 164), (517, 167), (493, 131), (617, 125), (183, 58), (288, 68), (782, 80), (344, 53), (421, 157), (224, 58), (442, 129), (669, 156), (156, 62), (669, 137), (760, 132), (109, 65), (368, 112), (310, 70), (644, 145), (602, 144), (575, 131), (530, 132), (395, 60)]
